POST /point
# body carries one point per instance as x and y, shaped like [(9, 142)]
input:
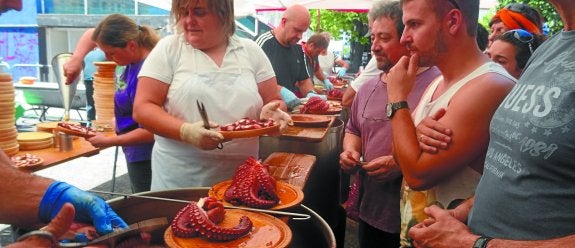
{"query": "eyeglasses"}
[(522, 36), (375, 113), (454, 2)]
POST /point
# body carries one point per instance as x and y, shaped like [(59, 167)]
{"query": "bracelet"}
[(481, 242), (40, 234)]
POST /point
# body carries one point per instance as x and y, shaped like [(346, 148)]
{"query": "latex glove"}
[(327, 84), (341, 72), (89, 208), (290, 99), (310, 94), (272, 110), (197, 135)]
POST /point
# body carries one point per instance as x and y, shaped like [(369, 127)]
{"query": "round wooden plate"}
[(330, 111), (334, 98), (250, 133), (268, 231), (305, 120), (289, 195), (34, 136)]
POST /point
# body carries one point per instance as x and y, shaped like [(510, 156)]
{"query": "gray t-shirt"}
[(527, 191)]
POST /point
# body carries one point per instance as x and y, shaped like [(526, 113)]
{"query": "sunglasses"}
[(522, 36), (454, 2)]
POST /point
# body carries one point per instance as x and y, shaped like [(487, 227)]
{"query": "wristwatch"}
[(392, 107)]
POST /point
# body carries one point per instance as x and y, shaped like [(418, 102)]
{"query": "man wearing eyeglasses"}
[(368, 133), (527, 191), (442, 33)]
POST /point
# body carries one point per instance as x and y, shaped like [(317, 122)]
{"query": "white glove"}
[(272, 110), (197, 135)]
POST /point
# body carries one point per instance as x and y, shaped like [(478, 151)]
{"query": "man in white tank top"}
[(442, 34)]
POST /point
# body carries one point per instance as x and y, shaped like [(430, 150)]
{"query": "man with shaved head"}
[(286, 56)]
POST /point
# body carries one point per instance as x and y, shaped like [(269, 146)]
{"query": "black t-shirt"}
[(288, 62)]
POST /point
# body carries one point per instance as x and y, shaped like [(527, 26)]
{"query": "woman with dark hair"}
[(513, 49), (515, 16)]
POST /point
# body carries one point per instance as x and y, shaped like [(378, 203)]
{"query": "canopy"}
[(249, 7)]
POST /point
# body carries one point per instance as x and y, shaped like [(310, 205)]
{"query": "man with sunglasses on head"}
[(515, 16), (513, 49), (368, 133), (442, 33), (527, 192)]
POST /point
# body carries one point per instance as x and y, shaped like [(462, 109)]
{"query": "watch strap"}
[(481, 242)]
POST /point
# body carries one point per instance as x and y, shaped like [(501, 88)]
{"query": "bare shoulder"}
[(487, 87)]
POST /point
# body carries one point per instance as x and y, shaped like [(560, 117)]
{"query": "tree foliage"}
[(545, 8), (350, 26)]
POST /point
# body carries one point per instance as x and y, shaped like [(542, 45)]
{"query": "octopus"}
[(252, 186), (335, 93), (314, 105), (200, 219), (248, 124)]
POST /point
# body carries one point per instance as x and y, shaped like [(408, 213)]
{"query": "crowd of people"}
[(454, 144)]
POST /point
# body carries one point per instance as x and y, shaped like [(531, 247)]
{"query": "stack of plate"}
[(104, 88), (35, 140), (8, 132)]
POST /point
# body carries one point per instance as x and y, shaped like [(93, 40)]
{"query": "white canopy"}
[(249, 7)]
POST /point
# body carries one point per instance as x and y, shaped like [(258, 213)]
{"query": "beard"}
[(429, 58), (385, 64)]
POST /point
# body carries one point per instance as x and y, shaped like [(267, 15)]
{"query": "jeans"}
[(140, 174), (90, 109)]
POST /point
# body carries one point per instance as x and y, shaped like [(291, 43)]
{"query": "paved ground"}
[(96, 173)]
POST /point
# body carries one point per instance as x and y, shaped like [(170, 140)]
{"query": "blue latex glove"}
[(290, 99), (310, 94), (89, 208), (327, 84), (341, 72)]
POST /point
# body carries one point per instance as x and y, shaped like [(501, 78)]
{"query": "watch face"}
[(389, 110)]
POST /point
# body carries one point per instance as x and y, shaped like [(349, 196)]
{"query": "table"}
[(52, 156), (47, 95)]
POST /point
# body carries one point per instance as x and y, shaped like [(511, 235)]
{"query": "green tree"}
[(341, 25), (545, 8)]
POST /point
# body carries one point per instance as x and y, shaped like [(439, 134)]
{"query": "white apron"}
[(228, 97)]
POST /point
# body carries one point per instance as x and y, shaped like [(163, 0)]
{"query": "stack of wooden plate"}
[(8, 132), (35, 140), (104, 88)]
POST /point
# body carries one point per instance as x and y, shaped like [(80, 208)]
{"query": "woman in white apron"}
[(203, 62)]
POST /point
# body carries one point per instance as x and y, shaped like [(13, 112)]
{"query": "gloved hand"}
[(327, 84), (290, 99), (197, 135), (341, 72), (272, 110), (311, 93), (89, 208)]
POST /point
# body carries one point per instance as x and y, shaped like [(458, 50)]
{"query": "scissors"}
[(204, 115)]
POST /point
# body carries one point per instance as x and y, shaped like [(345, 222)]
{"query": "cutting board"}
[(292, 168), (308, 134)]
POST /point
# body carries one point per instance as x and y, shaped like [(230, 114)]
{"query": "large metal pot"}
[(322, 188), (313, 232)]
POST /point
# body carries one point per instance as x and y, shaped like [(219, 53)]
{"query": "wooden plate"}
[(250, 133), (34, 136), (330, 111), (31, 165), (268, 231), (305, 120), (289, 195), (74, 132), (51, 125), (334, 98)]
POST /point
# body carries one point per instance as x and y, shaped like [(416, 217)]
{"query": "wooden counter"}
[(53, 156)]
